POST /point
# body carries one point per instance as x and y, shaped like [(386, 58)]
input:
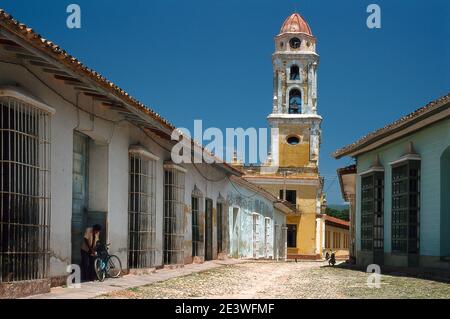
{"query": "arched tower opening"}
[(295, 101), (295, 73)]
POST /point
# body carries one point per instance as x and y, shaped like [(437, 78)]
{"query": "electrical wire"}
[(60, 95), (92, 114)]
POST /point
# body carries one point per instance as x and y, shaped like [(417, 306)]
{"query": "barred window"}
[(196, 240), (220, 231), (405, 207), (141, 211), (25, 191), (174, 179), (292, 236), (197, 237), (372, 207)]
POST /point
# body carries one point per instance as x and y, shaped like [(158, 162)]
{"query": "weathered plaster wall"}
[(278, 241), (109, 175), (212, 183), (108, 171), (243, 206), (294, 155)]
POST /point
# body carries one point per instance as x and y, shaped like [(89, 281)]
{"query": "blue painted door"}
[(79, 193)]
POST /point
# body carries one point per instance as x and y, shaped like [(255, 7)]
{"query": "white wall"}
[(108, 167), (109, 174)]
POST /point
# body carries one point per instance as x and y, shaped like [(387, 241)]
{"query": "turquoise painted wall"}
[(445, 203), (430, 143)]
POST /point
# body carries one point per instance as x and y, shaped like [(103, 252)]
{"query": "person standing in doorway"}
[(88, 252)]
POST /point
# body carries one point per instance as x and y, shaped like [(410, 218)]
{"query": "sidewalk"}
[(94, 289)]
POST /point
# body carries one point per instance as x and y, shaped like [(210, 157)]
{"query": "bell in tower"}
[(292, 173), (295, 64)]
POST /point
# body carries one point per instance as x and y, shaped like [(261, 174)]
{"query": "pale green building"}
[(402, 191)]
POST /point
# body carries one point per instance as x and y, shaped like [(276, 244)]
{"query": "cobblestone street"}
[(301, 280)]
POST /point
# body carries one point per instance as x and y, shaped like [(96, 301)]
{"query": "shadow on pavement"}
[(438, 275)]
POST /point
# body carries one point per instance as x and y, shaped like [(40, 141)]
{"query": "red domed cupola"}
[(295, 24)]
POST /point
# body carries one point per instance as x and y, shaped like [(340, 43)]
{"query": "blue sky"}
[(211, 60)]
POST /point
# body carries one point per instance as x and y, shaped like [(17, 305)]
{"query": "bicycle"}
[(106, 264)]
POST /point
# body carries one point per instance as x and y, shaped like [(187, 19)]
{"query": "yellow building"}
[(292, 171), (337, 237)]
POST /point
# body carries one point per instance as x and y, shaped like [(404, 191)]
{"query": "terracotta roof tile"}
[(48, 47), (336, 221), (295, 23), (402, 122), (39, 42)]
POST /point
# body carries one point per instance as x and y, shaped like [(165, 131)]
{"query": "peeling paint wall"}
[(246, 208), (109, 176), (212, 183), (108, 173)]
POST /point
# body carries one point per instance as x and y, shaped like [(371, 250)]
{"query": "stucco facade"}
[(292, 171), (421, 142), (257, 227), (434, 226), (337, 237), (107, 161)]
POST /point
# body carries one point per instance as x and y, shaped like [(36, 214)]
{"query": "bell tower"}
[(295, 62), (292, 171)]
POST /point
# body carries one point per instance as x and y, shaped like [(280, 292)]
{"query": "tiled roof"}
[(295, 23), (8, 22), (336, 221), (49, 48), (400, 124)]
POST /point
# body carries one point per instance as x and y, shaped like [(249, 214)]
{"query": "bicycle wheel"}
[(114, 267), (99, 266)]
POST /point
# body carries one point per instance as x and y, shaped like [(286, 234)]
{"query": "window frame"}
[(220, 223), (372, 210), (289, 191), (196, 234), (291, 73), (290, 138), (173, 227), (25, 135), (292, 228), (405, 194), (142, 208)]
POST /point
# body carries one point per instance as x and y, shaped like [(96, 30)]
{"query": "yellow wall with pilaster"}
[(306, 222)]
